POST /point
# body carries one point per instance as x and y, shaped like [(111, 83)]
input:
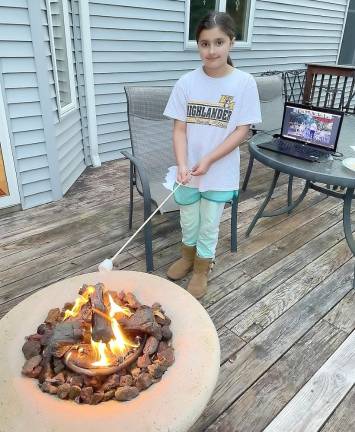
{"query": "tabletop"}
[(331, 172)]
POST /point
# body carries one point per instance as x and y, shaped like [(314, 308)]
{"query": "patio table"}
[(330, 172)]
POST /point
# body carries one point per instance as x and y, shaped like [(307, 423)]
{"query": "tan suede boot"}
[(198, 283), (183, 265)]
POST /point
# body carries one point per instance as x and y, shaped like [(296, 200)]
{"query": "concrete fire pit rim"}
[(197, 380)]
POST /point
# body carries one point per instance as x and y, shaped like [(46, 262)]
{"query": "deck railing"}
[(293, 83), (330, 86)]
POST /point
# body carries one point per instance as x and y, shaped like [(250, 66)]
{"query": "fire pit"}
[(122, 345), (173, 403)]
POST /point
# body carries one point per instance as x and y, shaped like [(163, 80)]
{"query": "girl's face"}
[(214, 46)]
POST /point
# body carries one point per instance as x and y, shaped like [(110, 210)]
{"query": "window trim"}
[(69, 50), (239, 46)]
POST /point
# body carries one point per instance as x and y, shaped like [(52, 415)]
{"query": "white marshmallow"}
[(106, 265)]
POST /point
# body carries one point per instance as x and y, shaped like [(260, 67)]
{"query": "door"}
[(9, 194), (347, 50)]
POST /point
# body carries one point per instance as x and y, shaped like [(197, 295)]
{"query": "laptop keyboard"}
[(299, 148)]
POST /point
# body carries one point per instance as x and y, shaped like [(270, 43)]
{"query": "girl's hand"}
[(183, 174), (201, 167)]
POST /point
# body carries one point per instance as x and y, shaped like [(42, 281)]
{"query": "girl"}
[(213, 108)]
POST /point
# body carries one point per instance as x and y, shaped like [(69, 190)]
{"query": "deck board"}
[(283, 304)]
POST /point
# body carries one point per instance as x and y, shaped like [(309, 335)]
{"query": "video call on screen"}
[(311, 126)]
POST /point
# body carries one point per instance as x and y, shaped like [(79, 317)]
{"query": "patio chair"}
[(271, 104), (152, 155)]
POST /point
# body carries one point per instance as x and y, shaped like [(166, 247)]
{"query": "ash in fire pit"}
[(104, 346)]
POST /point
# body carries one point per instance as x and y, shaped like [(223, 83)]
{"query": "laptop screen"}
[(312, 126)]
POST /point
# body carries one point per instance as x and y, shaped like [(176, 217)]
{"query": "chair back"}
[(271, 102), (151, 133), (152, 138)]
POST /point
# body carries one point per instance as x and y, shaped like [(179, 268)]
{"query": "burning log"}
[(65, 334), (132, 349), (143, 322), (73, 358), (101, 326)]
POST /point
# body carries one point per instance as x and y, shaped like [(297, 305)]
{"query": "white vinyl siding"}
[(22, 98), (143, 44), (134, 43)]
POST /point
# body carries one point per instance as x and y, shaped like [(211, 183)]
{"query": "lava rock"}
[(41, 329), (144, 381), (58, 366), (53, 316), (167, 355), (143, 361), (163, 346), (76, 380), (97, 398), (126, 381), (112, 382), (151, 345), (68, 305), (108, 395), (59, 379), (74, 392), (63, 391), (31, 348), (95, 382), (166, 332), (46, 372), (135, 372), (30, 366), (156, 370), (126, 393), (46, 387), (86, 394)]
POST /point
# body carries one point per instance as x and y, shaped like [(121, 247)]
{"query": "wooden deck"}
[(283, 305)]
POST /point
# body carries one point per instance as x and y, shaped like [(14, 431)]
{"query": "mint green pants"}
[(200, 217), (200, 226)]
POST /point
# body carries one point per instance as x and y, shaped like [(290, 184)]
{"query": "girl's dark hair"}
[(217, 19)]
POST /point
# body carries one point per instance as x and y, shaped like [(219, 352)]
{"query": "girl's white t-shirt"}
[(212, 109)]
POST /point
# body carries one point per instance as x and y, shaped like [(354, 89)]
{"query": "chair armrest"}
[(141, 172)]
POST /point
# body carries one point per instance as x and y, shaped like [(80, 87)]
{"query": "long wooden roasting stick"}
[(107, 264)]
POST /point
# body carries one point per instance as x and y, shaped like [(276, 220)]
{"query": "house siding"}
[(144, 45), (140, 44), (21, 96), (68, 129)]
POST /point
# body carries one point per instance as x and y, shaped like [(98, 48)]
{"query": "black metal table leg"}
[(292, 205), (265, 203), (347, 222), (248, 173), (289, 192)]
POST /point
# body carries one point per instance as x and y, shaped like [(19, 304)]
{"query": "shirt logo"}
[(206, 113)]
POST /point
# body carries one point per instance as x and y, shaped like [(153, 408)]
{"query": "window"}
[(62, 55), (241, 11)]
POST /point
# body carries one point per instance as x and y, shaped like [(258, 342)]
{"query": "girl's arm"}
[(234, 140), (180, 150)]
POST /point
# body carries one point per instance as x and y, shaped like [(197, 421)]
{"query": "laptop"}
[(307, 133)]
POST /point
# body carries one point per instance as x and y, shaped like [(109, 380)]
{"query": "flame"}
[(115, 308), (119, 344), (79, 302), (102, 354)]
